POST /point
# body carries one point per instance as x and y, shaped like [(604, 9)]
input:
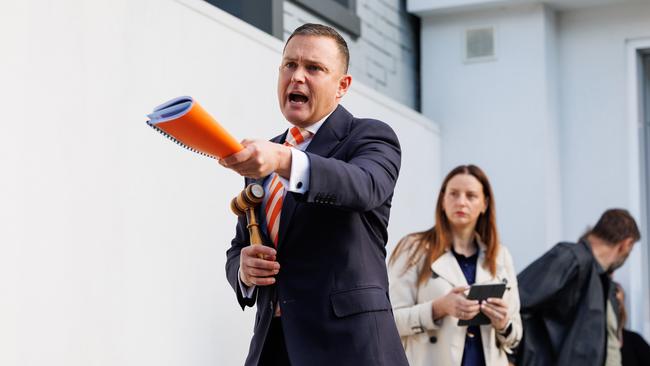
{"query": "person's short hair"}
[(320, 30), (616, 225)]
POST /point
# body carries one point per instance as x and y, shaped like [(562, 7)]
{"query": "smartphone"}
[(482, 292)]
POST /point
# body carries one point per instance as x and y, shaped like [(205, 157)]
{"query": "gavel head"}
[(250, 197)]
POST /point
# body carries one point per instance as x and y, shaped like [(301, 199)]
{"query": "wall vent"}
[(479, 44)]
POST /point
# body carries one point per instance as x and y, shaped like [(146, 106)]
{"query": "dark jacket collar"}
[(587, 246)]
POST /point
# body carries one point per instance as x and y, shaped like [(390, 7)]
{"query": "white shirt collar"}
[(316, 126)]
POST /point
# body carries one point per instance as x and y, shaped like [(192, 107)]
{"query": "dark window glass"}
[(341, 13), (263, 14)]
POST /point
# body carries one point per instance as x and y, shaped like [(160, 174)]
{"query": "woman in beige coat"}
[(430, 272)]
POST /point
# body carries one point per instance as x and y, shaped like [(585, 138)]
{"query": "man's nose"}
[(298, 75)]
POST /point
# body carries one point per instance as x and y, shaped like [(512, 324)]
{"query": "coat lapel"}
[(329, 135), (288, 206), (483, 275), (447, 267)]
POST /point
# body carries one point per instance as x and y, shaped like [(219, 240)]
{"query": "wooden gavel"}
[(244, 204)]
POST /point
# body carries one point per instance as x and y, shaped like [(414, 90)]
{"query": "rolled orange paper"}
[(186, 122)]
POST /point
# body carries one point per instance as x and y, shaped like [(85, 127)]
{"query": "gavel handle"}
[(253, 229)]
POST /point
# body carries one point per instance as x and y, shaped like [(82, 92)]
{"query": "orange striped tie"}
[(295, 137)]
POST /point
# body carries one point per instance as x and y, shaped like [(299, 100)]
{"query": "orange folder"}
[(184, 121)]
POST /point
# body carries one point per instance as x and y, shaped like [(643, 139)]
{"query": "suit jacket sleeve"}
[(366, 177), (542, 280)]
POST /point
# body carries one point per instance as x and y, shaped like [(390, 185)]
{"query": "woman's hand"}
[(455, 304), (497, 310)]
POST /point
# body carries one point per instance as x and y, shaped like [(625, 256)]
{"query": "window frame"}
[(343, 17)]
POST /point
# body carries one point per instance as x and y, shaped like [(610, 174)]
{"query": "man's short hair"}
[(616, 225), (320, 30)]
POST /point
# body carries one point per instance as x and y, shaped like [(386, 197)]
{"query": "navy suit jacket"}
[(332, 286)]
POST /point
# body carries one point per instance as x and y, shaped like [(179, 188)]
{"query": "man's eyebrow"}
[(308, 61)]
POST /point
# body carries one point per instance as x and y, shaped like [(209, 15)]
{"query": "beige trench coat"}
[(441, 342)]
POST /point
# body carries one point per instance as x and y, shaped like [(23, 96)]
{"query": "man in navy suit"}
[(321, 287)]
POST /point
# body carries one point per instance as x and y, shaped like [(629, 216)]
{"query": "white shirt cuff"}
[(299, 178), (246, 291)]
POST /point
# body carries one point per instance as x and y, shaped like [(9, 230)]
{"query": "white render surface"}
[(551, 118), (113, 239)]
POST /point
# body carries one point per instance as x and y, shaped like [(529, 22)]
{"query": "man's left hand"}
[(260, 158)]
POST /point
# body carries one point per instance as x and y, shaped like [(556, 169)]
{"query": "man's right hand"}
[(260, 158), (257, 271)]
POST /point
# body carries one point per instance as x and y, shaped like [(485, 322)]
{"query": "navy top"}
[(473, 351)]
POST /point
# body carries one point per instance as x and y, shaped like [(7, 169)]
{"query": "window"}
[(341, 13), (263, 14), (645, 145)]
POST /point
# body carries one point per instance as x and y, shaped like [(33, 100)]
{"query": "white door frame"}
[(639, 292)]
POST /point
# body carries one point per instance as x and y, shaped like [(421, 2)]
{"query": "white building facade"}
[(551, 98), (112, 239)]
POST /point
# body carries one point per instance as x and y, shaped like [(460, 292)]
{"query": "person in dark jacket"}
[(564, 295)]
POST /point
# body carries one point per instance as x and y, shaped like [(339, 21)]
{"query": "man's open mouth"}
[(298, 98)]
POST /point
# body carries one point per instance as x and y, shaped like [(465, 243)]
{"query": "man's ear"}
[(626, 244), (344, 84)]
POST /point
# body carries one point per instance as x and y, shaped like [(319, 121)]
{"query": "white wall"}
[(501, 116), (550, 120), (112, 239), (599, 146)]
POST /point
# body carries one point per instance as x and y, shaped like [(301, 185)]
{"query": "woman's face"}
[(463, 201)]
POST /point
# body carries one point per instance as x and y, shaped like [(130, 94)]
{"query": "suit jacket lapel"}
[(288, 204), (329, 135)]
